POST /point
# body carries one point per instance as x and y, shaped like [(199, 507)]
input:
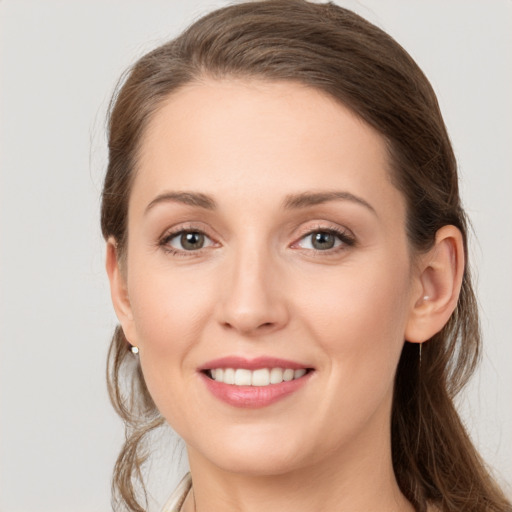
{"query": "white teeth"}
[(243, 377), (259, 378), (288, 374), (228, 377), (299, 373), (276, 376)]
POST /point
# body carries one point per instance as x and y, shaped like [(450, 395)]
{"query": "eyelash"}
[(164, 241), (343, 235), (347, 240)]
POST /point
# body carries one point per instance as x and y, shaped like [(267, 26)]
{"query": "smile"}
[(254, 383), (260, 377)]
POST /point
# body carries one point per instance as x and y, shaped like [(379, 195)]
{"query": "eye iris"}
[(190, 241), (323, 240)]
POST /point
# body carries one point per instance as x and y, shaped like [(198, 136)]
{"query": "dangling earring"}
[(425, 298), (134, 350)]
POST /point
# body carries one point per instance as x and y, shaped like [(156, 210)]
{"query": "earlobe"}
[(119, 290), (440, 280)]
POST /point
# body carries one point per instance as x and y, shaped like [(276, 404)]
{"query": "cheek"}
[(168, 306), (169, 314), (358, 321), (359, 315)]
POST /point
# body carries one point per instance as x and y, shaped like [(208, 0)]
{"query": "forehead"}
[(247, 139)]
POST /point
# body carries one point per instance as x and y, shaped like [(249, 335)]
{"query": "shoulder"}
[(175, 501)]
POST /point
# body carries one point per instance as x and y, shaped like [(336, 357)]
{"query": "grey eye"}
[(187, 241), (321, 241), (191, 241)]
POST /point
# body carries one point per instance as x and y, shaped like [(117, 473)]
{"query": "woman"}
[(287, 255)]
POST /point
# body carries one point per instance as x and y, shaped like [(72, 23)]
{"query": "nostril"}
[(265, 325)]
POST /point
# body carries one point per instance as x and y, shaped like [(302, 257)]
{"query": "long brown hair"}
[(338, 52)]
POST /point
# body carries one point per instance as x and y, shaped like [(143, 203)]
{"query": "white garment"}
[(175, 501)]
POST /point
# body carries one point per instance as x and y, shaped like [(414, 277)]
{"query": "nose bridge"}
[(253, 300)]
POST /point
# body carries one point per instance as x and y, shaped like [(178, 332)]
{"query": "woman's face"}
[(265, 235)]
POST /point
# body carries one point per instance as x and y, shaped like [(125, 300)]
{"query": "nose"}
[(254, 301)]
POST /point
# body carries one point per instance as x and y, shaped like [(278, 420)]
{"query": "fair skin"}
[(299, 253)]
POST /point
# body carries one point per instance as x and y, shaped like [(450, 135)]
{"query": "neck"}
[(359, 477)]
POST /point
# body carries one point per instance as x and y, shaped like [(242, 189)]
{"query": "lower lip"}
[(253, 397)]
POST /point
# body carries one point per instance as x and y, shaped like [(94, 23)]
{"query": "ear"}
[(119, 290), (439, 283)]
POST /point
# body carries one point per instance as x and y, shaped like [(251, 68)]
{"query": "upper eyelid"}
[(164, 242), (344, 234), (184, 227), (321, 226), (304, 231), (339, 234), (175, 234)]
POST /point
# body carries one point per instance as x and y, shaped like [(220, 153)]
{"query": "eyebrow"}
[(291, 202), (188, 198), (307, 199)]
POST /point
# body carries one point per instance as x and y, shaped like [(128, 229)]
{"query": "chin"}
[(257, 463), (255, 454)]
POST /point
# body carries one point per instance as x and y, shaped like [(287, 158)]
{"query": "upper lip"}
[(252, 364)]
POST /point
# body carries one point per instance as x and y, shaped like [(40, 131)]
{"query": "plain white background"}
[(59, 62)]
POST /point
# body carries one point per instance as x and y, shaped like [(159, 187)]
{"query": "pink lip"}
[(252, 364), (252, 397)]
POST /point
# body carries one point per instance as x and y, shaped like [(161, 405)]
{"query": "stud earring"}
[(134, 349), (426, 297)]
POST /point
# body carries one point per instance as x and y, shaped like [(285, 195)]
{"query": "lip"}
[(253, 397), (252, 364)]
